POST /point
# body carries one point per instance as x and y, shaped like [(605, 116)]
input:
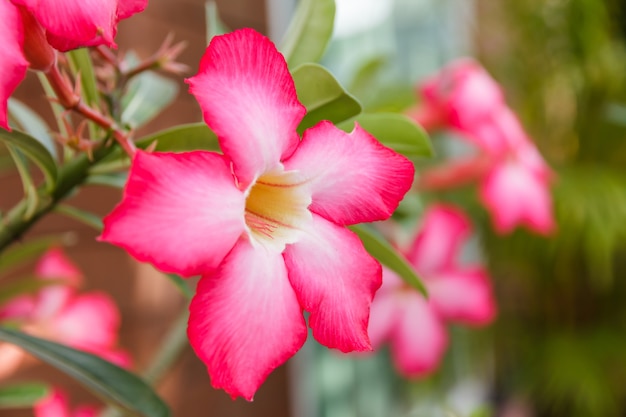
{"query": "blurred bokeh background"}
[(558, 347)]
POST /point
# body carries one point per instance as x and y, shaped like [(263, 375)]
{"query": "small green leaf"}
[(31, 197), (28, 121), (323, 96), (396, 131), (82, 216), (111, 383), (181, 284), (379, 248), (189, 137), (81, 64), (214, 25), (148, 94), (34, 151), (310, 31), (23, 395), (114, 180)]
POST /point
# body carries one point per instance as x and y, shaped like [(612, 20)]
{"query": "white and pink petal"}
[(352, 177), (245, 319), (181, 212), (249, 99), (335, 280)]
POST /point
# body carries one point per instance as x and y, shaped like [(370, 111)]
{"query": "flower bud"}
[(37, 50)]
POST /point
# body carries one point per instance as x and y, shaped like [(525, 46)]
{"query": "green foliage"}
[(111, 383), (309, 32), (396, 131), (81, 64), (147, 95), (379, 248), (323, 96), (193, 136), (26, 120), (35, 152), (23, 395)]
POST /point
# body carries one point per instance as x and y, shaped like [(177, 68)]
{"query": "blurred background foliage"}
[(558, 346)]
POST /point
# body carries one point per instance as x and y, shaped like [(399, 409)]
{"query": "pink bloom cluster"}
[(86, 321), (263, 223), (514, 178), (29, 29), (55, 404), (414, 326)]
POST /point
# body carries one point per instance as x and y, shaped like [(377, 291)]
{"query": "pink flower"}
[(264, 223), (30, 28), (414, 326), (514, 178), (88, 321), (55, 404)]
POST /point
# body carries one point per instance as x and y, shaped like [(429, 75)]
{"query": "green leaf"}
[(111, 383), (90, 219), (214, 25), (34, 151), (323, 96), (181, 284), (396, 131), (31, 197), (23, 395), (30, 122), (181, 138), (81, 63), (148, 94), (309, 32), (379, 248), (114, 180)]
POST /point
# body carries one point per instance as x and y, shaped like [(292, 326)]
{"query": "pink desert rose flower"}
[(29, 28), (86, 321), (514, 179), (264, 223), (56, 404), (414, 326)]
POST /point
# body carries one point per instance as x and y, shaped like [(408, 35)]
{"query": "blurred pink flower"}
[(414, 326), (55, 404), (87, 321), (514, 179), (264, 223), (31, 28)]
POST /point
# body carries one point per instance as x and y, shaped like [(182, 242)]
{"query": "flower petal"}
[(384, 313), (55, 404), (463, 295), (127, 8), (13, 64), (335, 280), (516, 195), (245, 319), (74, 23), (353, 178), (88, 322), (444, 229), (419, 339), (181, 212), (249, 99)]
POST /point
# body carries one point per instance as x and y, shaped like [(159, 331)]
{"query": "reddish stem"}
[(71, 101)]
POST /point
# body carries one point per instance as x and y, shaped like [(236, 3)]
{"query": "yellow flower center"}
[(277, 209)]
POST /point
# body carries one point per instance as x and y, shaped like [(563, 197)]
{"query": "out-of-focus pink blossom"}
[(264, 222), (414, 326), (29, 29), (87, 321), (56, 404), (514, 180)]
